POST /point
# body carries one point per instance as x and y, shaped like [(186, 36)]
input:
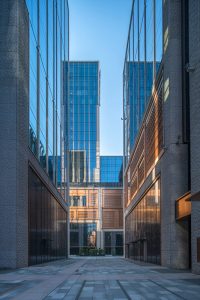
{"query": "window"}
[(82, 235), (113, 243), (83, 200)]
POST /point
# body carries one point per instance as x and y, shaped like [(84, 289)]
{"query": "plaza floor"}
[(98, 278)]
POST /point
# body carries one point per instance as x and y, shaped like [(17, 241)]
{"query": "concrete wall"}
[(14, 92), (194, 77), (174, 171)]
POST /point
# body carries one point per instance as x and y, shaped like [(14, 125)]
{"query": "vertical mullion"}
[(61, 101), (74, 128), (145, 55), (78, 124), (89, 142), (38, 81), (133, 73), (154, 39), (138, 65), (47, 74), (56, 161), (53, 91), (85, 128)]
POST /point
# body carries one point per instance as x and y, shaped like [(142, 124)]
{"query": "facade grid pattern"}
[(111, 169), (142, 123), (47, 224), (83, 121), (142, 60), (48, 48), (143, 241)]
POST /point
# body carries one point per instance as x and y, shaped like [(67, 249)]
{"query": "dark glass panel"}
[(82, 235), (143, 228), (113, 243), (47, 224)]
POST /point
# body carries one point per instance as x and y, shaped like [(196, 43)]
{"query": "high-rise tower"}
[(83, 121)]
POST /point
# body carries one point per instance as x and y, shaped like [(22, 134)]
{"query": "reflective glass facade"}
[(143, 55), (138, 95), (113, 243), (148, 146), (49, 47), (143, 241), (111, 169), (82, 107), (47, 224), (82, 235)]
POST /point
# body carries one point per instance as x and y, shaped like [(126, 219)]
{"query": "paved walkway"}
[(98, 278)]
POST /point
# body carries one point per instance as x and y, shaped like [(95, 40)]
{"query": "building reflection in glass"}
[(141, 65), (92, 237), (47, 224), (82, 235), (113, 242), (143, 228), (48, 48)]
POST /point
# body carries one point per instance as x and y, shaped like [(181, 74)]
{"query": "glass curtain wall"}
[(113, 243), (111, 170), (143, 228), (142, 60), (82, 236), (83, 121), (47, 224), (49, 47)]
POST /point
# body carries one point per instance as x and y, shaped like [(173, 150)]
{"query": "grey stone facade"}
[(15, 155), (174, 173), (194, 77), (14, 94)]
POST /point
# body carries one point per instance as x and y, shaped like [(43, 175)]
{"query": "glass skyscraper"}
[(82, 106), (48, 48), (95, 183)]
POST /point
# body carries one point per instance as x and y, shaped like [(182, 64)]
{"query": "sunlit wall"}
[(142, 59), (143, 240)]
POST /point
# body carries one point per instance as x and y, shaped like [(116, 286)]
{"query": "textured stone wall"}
[(174, 170), (14, 91), (194, 77)]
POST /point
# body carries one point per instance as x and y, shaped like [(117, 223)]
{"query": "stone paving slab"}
[(9, 290), (100, 279)]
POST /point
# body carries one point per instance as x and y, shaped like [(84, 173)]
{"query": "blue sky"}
[(98, 31)]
